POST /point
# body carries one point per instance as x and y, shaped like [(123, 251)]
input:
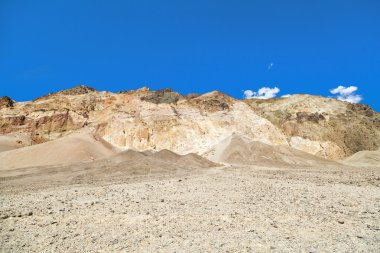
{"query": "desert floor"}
[(222, 209)]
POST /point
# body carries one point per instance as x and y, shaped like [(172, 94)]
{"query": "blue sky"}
[(191, 46)]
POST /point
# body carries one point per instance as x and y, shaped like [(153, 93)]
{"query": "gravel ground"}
[(225, 209)]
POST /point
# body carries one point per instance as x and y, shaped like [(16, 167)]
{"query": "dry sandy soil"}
[(246, 176), (75, 194), (216, 209)]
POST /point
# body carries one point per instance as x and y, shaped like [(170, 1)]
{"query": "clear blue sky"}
[(190, 46)]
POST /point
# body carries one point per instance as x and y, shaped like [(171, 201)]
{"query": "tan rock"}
[(327, 121), (149, 120), (328, 149)]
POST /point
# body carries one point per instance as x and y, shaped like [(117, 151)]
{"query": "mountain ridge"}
[(164, 119)]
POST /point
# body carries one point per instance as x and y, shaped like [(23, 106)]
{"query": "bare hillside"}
[(155, 120), (322, 126)]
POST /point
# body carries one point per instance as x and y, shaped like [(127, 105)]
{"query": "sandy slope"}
[(364, 158), (239, 150), (142, 163), (13, 141), (77, 147), (81, 168), (7, 143)]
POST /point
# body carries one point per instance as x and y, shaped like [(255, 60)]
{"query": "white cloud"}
[(347, 94), (262, 93), (286, 95), (248, 94)]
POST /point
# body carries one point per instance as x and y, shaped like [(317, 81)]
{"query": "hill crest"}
[(164, 119)]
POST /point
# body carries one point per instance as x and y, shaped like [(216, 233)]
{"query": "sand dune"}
[(134, 162), (129, 155), (80, 158), (364, 158), (161, 157), (166, 155), (74, 148), (238, 150)]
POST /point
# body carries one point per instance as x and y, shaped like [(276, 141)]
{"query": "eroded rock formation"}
[(322, 126), (164, 119)]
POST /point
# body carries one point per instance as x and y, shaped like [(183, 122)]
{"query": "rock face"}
[(165, 96), (6, 102), (52, 116), (78, 90), (147, 120), (322, 126), (188, 126)]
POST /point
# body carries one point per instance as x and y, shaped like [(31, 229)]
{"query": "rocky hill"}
[(322, 126), (157, 120)]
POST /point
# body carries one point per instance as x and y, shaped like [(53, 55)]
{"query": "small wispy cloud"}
[(347, 94), (262, 93), (270, 66), (286, 95)]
